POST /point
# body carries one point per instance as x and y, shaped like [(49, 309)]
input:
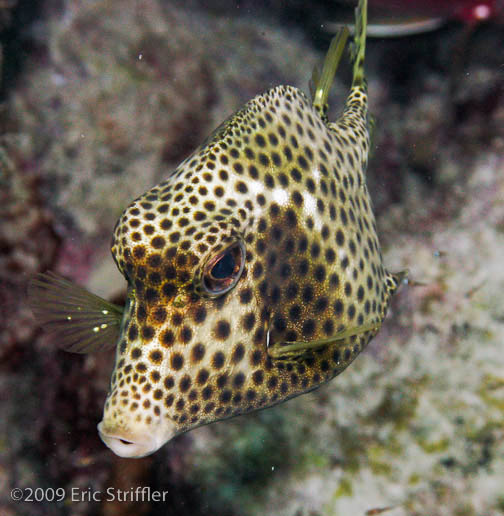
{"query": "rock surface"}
[(110, 98)]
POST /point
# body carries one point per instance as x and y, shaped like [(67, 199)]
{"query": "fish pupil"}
[(223, 270), (224, 267)]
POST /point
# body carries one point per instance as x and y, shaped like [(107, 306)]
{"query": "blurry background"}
[(100, 99)]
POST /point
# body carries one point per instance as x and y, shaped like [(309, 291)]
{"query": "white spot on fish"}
[(280, 196), (256, 187), (310, 208), (309, 204)]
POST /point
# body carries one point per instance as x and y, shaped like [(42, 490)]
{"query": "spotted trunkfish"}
[(254, 270)]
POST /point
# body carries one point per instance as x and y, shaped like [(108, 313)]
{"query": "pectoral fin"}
[(295, 350), (79, 321)]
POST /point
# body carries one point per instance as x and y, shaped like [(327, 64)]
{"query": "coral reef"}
[(112, 96)]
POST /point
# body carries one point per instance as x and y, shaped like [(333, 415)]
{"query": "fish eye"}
[(222, 271)]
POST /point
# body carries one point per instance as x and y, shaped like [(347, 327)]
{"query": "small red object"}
[(469, 11)]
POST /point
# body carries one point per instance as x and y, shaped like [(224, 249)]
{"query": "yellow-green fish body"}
[(254, 271)]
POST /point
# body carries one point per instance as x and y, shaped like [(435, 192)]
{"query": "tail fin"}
[(359, 50)]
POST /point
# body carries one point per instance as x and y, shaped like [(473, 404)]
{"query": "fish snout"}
[(129, 444)]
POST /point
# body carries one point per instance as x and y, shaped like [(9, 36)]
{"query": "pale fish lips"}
[(130, 444)]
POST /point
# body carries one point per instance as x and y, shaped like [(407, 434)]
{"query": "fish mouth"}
[(128, 445)]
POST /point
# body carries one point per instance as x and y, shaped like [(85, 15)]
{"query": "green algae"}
[(399, 404), (481, 445), (437, 446), (344, 488), (351, 444), (378, 460), (491, 391), (464, 510), (314, 459), (414, 479)]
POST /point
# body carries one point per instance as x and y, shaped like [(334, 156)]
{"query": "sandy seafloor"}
[(416, 424)]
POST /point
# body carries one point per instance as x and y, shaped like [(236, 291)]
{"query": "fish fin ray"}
[(79, 321)]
